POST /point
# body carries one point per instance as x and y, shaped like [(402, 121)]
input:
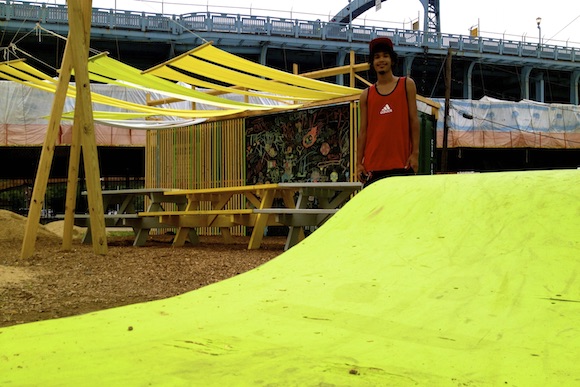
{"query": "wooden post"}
[(446, 116), (75, 56), (352, 72), (73, 171), (71, 186), (79, 34)]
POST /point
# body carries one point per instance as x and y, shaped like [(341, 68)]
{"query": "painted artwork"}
[(299, 146)]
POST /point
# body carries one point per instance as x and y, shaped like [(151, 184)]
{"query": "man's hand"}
[(361, 173), (413, 162)]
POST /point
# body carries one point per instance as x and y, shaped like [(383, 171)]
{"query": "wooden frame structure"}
[(75, 59)]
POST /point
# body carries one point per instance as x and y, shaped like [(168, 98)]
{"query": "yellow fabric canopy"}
[(108, 70), (210, 62), (19, 71), (169, 73), (233, 77), (205, 66), (214, 54)]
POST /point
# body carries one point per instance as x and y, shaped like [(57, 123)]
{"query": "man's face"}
[(382, 62)]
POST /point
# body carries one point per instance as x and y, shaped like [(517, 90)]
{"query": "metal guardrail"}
[(291, 28)]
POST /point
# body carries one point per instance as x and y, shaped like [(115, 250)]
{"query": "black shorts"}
[(378, 175)]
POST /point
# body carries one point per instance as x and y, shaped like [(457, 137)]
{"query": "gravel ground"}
[(54, 283)]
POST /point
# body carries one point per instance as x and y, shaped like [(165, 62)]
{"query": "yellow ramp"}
[(456, 280)]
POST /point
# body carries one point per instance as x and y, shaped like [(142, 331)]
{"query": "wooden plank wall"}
[(200, 156)]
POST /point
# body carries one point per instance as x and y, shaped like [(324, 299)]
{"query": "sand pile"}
[(12, 227), (57, 228)]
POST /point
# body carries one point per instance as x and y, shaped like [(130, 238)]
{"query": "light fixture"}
[(538, 21)]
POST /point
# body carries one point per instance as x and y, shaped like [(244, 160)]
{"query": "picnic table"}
[(126, 213), (213, 207)]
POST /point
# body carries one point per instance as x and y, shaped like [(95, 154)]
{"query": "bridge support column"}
[(407, 64), (525, 82), (574, 80), (540, 88), (340, 61), (467, 81), (263, 54)]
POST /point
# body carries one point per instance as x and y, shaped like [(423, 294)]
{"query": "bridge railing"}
[(22, 11)]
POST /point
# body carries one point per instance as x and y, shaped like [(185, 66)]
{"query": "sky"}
[(513, 19)]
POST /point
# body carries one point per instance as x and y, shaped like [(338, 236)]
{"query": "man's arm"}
[(413, 161), (362, 135)]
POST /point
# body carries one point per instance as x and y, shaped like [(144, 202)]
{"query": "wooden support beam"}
[(75, 56), (444, 152), (46, 157), (71, 186), (336, 71), (352, 72), (79, 38), (73, 173)]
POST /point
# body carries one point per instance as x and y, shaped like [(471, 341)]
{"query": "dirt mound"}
[(57, 227), (12, 227)]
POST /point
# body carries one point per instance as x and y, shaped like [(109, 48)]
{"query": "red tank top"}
[(388, 144)]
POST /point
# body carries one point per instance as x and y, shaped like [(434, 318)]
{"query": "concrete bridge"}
[(500, 68)]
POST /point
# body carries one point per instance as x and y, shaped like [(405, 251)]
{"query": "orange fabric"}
[(388, 143)]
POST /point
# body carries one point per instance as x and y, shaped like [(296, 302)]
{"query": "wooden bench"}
[(124, 200), (223, 219), (296, 217), (299, 217), (111, 220), (197, 212), (136, 222), (295, 214)]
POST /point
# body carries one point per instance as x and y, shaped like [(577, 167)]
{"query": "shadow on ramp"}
[(467, 280)]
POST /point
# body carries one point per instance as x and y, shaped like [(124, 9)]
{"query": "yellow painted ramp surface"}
[(456, 280)]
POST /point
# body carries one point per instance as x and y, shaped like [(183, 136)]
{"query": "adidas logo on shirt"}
[(386, 109)]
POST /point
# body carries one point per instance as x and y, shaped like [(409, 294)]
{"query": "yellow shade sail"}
[(214, 54), (205, 67), (113, 71), (19, 71)]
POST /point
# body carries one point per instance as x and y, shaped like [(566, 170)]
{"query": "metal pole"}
[(349, 16), (538, 21)]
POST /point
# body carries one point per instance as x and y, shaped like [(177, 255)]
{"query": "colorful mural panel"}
[(304, 145)]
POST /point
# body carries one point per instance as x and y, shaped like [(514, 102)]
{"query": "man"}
[(388, 140)]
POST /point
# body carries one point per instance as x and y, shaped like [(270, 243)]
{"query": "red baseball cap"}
[(380, 41)]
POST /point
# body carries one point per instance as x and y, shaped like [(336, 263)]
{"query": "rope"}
[(41, 28), (31, 57), (188, 30), (437, 79)]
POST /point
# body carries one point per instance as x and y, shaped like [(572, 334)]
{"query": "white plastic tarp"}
[(24, 113), (492, 123)]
